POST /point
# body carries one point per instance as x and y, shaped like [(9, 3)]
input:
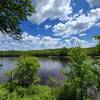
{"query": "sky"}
[(58, 24)]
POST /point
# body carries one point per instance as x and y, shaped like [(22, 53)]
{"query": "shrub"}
[(26, 70), (80, 77)]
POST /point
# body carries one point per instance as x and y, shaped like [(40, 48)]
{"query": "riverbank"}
[(59, 53)]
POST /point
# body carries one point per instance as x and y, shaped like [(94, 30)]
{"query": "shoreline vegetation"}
[(83, 76), (53, 53)]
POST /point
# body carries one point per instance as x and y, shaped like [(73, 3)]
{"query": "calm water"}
[(48, 68)]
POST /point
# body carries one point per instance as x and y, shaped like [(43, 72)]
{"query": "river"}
[(48, 68)]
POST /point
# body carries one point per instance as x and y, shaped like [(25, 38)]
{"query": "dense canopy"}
[(12, 13)]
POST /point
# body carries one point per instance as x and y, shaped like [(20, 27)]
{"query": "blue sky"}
[(57, 24)]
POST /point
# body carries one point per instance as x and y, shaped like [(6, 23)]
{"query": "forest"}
[(93, 51)]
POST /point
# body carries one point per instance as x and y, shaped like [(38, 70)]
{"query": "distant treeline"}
[(93, 51), (38, 53)]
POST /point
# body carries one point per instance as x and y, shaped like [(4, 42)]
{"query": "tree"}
[(80, 77), (26, 70), (12, 13), (97, 37), (97, 48), (63, 51)]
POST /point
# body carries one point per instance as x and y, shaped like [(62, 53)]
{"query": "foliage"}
[(97, 37), (83, 74), (97, 72), (2, 91), (62, 52), (12, 13), (26, 70), (69, 92), (21, 86), (43, 53), (97, 48), (35, 92), (80, 77)]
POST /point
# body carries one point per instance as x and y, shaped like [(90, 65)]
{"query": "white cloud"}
[(74, 42), (56, 9), (77, 24), (29, 42), (98, 24), (38, 42), (82, 34), (51, 9), (47, 26), (94, 2)]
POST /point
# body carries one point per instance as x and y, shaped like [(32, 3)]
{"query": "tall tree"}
[(12, 13), (97, 48), (80, 77), (97, 37)]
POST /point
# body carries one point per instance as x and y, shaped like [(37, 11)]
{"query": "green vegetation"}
[(38, 53), (35, 92), (81, 76), (26, 70), (12, 13), (97, 37), (93, 51), (22, 84), (96, 50)]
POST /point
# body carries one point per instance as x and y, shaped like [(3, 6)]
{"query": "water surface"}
[(48, 68)]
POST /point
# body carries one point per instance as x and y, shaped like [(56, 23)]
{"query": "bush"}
[(26, 70), (82, 75), (36, 92)]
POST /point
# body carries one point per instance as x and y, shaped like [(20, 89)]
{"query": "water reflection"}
[(48, 68), (8, 64)]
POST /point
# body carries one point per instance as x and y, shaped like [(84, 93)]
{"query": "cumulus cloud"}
[(28, 42), (94, 2), (65, 29), (51, 9), (77, 24), (74, 42)]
